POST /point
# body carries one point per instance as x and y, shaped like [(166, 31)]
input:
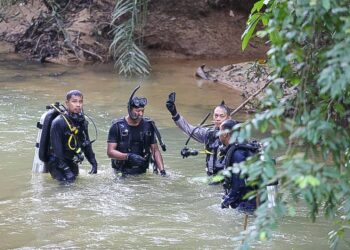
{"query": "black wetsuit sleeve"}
[(237, 183), (87, 149), (57, 138), (113, 134)]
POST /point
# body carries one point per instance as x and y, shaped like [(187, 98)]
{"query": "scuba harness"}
[(143, 101), (73, 142), (252, 148), (125, 138), (43, 141)]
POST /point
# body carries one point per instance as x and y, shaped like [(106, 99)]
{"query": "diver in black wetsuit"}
[(235, 186), (132, 142), (69, 139)]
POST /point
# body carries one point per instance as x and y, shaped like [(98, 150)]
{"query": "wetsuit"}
[(132, 139), (235, 186), (208, 137), (63, 161)]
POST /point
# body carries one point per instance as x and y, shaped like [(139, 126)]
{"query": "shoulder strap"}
[(117, 120), (229, 155), (156, 131)]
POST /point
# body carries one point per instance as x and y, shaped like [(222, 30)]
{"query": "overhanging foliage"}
[(310, 48)]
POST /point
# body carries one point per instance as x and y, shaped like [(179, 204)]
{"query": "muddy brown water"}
[(101, 212)]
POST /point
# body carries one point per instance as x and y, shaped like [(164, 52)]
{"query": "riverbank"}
[(246, 77), (249, 78), (81, 31)]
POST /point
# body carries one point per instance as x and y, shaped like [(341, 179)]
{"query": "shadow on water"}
[(101, 211)]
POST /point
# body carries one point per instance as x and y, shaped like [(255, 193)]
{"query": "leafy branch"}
[(309, 52), (128, 19)]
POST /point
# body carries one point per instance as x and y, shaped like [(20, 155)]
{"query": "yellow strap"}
[(205, 152), (70, 142), (73, 129)]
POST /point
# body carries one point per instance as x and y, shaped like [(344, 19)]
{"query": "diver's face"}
[(138, 113), (224, 136), (219, 116), (75, 104)]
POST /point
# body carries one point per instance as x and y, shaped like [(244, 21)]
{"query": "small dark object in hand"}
[(186, 152)]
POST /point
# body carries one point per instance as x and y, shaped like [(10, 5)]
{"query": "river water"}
[(102, 212)]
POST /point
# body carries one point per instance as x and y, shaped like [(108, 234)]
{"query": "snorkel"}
[(131, 115)]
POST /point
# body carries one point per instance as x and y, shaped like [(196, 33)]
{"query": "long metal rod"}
[(204, 120)]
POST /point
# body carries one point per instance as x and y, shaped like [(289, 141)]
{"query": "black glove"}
[(170, 104), (162, 172), (93, 169), (136, 160), (69, 174)]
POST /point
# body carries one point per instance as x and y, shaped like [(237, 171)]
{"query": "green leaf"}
[(313, 181), (326, 4), (252, 22), (263, 236), (313, 2), (257, 6), (263, 126)]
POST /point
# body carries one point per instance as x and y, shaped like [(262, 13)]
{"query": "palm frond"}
[(128, 20)]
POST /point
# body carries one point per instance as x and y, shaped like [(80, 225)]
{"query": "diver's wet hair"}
[(73, 92), (224, 107), (228, 124)]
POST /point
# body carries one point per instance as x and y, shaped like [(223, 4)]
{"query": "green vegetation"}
[(128, 21), (310, 48)]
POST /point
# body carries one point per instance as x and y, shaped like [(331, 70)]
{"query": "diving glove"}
[(170, 104), (135, 160)]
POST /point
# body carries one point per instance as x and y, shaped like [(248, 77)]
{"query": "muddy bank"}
[(81, 32), (250, 78)]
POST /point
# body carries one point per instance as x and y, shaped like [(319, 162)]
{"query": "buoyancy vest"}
[(76, 134), (250, 149), (212, 144), (126, 142)]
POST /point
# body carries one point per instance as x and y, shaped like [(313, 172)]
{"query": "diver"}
[(69, 139), (235, 185), (132, 142), (205, 135)]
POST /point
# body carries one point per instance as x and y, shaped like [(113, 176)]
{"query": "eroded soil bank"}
[(81, 33)]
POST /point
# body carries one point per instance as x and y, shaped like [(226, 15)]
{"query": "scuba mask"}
[(135, 102), (138, 102)]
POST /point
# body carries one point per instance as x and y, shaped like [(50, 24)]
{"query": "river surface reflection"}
[(101, 212)]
